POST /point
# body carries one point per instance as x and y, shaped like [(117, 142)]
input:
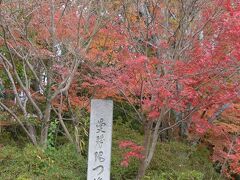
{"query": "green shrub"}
[(172, 161), (123, 132), (187, 175), (33, 163), (177, 160)]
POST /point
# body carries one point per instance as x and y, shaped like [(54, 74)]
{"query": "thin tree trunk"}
[(154, 142), (32, 132), (150, 143), (68, 135), (147, 140), (18, 120), (77, 140), (45, 126)]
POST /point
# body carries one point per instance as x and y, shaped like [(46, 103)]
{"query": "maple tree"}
[(43, 45), (176, 60), (222, 137), (176, 63)]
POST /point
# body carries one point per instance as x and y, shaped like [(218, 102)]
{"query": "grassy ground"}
[(172, 161)]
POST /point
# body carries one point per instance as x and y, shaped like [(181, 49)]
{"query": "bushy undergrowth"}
[(122, 132), (33, 163), (179, 161), (172, 161)]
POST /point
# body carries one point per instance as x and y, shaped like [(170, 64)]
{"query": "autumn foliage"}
[(175, 63), (204, 78)]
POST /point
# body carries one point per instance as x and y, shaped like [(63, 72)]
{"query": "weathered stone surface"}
[(100, 140)]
